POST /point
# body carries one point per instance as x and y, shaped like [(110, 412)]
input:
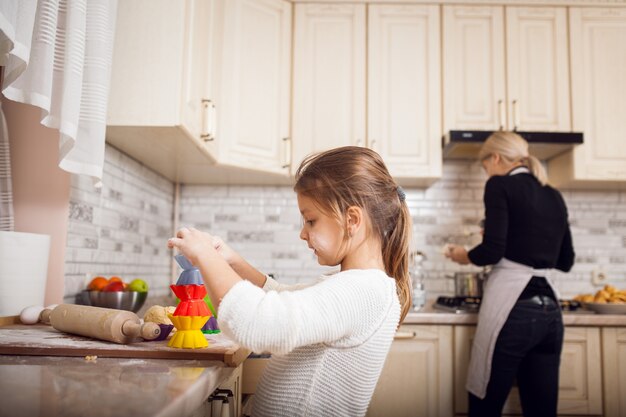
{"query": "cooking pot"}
[(468, 284)]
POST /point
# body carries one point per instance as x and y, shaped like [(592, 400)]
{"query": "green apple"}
[(138, 285)]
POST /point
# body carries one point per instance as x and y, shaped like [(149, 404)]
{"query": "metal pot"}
[(468, 284)]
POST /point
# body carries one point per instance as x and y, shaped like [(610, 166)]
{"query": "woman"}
[(520, 329)]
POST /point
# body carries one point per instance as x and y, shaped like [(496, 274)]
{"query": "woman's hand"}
[(457, 254)]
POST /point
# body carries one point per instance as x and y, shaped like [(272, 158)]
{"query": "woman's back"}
[(525, 222)]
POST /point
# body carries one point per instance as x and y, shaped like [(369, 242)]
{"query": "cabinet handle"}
[(359, 142), (405, 335), (208, 120), (501, 115), (287, 142), (373, 144), (514, 110)]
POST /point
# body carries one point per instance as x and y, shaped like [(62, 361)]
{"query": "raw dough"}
[(158, 315)]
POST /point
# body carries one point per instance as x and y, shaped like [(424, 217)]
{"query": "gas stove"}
[(458, 305), (461, 305)]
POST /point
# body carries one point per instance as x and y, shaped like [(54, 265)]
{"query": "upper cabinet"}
[(598, 65), (253, 107), (505, 68), (404, 93), (329, 77), (199, 87), (369, 81)]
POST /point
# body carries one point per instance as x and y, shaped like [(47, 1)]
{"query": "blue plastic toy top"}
[(190, 275)]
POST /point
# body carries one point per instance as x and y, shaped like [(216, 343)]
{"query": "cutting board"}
[(44, 340)]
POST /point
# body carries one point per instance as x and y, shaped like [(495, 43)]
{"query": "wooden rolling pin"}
[(117, 326)]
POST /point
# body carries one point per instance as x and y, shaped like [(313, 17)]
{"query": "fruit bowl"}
[(120, 300)]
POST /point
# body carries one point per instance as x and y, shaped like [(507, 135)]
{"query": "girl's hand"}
[(457, 254), (223, 249), (194, 244)]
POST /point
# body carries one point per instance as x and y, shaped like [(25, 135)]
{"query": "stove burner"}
[(458, 304)]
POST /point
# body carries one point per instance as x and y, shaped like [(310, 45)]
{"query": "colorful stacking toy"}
[(192, 312)]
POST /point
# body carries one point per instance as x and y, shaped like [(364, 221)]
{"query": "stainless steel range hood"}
[(465, 144)]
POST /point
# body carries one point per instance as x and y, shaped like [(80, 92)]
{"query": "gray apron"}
[(504, 285)]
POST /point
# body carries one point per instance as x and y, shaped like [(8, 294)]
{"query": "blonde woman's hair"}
[(355, 176), (513, 148)]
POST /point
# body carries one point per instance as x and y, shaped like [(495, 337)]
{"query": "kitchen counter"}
[(429, 315), (75, 386)]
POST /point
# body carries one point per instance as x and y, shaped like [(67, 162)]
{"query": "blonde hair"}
[(513, 148), (355, 176)]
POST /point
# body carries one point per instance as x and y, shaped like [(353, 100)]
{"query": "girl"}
[(520, 330), (328, 340)]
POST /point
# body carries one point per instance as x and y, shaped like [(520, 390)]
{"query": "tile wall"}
[(263, 223), (122, 229)]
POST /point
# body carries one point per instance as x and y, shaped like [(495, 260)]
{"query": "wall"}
[(120, 229), (262, 223), (40, 188)]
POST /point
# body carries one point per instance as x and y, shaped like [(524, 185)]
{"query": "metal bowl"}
[(120, 300)]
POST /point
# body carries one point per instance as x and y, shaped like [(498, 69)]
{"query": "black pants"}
[(529, 349)]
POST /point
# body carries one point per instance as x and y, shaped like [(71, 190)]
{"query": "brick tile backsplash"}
[(122, 229)]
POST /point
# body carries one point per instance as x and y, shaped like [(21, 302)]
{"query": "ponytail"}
[(537, 169), (396, 257)]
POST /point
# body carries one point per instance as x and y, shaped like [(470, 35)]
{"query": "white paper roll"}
[(23, 270)]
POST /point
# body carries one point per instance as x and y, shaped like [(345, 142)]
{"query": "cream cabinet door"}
[(329, 78), (253, 107), (417, 376), (404, 99), (598, 65), (201, 69), (473, 68), (580, 380), (537, 69), (145, 80), (614, 370)]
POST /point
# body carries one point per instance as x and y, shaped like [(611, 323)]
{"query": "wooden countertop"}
[(429, 315)]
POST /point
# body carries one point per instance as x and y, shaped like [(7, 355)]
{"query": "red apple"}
[(113, 286)]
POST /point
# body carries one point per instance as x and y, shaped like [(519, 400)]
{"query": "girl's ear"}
[(354, 219)]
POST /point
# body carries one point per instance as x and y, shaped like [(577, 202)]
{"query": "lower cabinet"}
[(232, 385), (580, 382), (417, 377), (614, 372)]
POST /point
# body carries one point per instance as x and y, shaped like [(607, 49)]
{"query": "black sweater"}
[(525, 222)]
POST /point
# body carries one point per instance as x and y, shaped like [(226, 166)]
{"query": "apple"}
[(113, 286), (138, 285)]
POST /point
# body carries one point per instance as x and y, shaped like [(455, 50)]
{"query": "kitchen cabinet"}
[(417, 376), (598, 65), (505, 68), (254, 98), (368, 75), (187, 73), (614, 370), (580, 381), (329, 77)]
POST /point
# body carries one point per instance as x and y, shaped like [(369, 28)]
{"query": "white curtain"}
[(61, 63)]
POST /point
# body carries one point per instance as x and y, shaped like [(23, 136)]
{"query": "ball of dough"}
[(30, 315)]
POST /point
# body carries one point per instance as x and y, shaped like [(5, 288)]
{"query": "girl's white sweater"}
[(328, 341)]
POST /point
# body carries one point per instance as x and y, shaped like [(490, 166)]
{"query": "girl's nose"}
[(303, 234)]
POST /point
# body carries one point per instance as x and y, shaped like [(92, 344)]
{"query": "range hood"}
[(465, 144)]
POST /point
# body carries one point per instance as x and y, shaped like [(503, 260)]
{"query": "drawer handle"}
[(405, 335)]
